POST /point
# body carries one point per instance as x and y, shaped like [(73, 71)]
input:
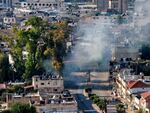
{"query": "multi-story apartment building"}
[(5, 3), (40, 4), (119, 5), (102, 5), (9, 20), (51, 84)]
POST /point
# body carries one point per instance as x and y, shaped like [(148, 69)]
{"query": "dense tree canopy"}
[(40, 40)]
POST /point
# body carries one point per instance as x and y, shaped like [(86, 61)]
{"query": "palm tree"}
[(120, 108), (102, 105)]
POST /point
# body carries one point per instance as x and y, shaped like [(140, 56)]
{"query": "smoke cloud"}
[(92, 49), (142, 20)]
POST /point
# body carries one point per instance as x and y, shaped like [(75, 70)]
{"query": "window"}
[(55, 5), (46, 4), (36, 79), (43, 4), (4, 1), (54, 109), (39, 4), (55, 90), (42, 83)]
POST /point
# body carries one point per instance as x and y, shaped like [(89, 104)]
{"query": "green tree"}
[(41, 38), (4, 68), (23, 108), (6, 111), (120, 108), (30, 38), (102, 105)]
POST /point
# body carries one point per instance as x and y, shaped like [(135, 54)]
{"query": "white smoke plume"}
[(93, 46), (142, 20)]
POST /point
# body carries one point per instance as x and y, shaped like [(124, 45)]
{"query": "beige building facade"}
[(49, 84)]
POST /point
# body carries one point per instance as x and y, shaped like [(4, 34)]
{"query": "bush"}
[(96, 100), (23, 108), (92, 96)]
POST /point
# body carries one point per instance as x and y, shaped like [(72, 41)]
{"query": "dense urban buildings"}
[(62, 56), (39, 4)]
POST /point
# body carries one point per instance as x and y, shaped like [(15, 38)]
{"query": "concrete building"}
[(58, 103), (119, 52), (119, 5), (131, 5), (5, 3), (50, 98), (9, 20), (102, 5), (145, 99), (51, 84), (41, 4), (128, 89)]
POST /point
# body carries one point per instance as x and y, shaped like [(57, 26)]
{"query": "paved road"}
[(84, 104), (99, 84)]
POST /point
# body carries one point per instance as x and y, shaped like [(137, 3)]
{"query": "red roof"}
[(2, 86), (146, 96), (131, 81), (138, 84)]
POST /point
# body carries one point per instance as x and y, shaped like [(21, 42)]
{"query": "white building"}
[(9, 20), (41, 4), (119, 5)]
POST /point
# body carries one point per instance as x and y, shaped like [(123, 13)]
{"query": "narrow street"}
[(100, 86)]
